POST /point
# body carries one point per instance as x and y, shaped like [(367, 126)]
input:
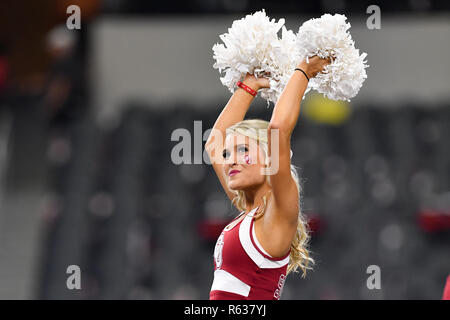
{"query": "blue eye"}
[(243, 149), (225, 154)]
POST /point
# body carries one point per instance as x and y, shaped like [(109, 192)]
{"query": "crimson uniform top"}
[(446, 294), (242, 269)]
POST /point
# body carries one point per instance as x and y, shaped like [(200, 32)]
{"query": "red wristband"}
[(246, 88)]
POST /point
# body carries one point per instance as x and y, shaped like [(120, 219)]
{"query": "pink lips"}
[(233, 172)]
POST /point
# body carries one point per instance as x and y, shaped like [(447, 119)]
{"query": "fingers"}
[(316, 57)]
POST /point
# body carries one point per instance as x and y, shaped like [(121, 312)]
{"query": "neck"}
[(254, 198)]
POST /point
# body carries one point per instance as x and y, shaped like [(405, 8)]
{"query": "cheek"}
[(255, 174), (253, 158)]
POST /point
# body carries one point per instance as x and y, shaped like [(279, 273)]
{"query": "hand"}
[(256, 83), (315, 65)]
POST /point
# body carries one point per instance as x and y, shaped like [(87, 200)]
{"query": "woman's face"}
[(243, 162)]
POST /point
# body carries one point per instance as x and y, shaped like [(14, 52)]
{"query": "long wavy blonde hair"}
[(299, 256)]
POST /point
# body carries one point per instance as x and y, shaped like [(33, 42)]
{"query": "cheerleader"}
[(269, 239)]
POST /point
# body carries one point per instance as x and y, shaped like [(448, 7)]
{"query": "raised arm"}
[(232, 113), (284, 118), (287, 109)]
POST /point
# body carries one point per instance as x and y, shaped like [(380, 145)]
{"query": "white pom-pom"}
[(284, 58), (328, 36), (252, 46)]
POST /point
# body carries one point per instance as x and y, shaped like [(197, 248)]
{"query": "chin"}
[(239, 187), (234, 187)]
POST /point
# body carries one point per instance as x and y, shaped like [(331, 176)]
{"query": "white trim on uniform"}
[(257, 242), (246, 242), (225, 281)]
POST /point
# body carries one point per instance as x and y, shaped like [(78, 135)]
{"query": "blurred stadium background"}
[(86, 176)]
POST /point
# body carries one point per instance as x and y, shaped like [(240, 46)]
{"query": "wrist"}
[(304, 66), (247, 88), (252, 84)]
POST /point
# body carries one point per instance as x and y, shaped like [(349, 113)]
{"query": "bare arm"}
[(287, 110), (284, 118), (232, 113)]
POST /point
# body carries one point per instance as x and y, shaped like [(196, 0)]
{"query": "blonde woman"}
[(269, 238)]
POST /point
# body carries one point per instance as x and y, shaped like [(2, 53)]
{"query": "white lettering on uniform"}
[(279, 290), (218, 251)]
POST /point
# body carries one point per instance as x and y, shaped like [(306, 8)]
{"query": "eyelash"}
[(226, 154)]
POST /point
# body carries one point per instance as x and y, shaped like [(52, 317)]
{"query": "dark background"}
[(83, 185)]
